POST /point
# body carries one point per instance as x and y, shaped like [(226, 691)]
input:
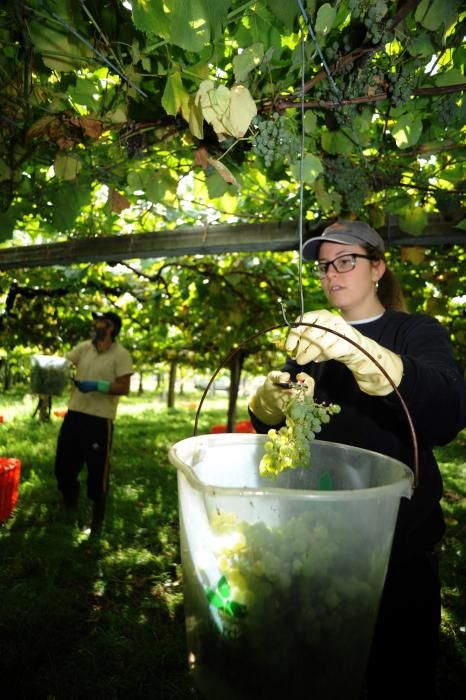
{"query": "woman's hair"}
[(389, 290)]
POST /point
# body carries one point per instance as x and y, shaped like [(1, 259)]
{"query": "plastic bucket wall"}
[(10, 470), (282, 582)]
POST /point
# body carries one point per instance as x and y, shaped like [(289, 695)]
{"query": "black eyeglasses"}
[(343, 263)]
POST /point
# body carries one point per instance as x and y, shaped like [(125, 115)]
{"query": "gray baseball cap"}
[(346, 232)]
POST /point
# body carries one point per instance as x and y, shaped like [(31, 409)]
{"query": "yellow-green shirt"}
[(97, 366)]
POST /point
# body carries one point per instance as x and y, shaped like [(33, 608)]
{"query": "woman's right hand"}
[(270, 400)]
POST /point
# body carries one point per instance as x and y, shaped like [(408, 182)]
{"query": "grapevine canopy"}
[(142, 115)]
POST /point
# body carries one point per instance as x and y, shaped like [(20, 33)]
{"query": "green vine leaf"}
[(174, 94), (248, 60), (431, 13), (407, 131), (66, 167), (312, 168), (413, 220), (325, 18), (450, 77)]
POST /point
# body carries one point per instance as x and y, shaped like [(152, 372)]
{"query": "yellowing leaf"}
[(228, 111), (118, 115), (224, 172), (413, 254), (66, 167), (201, 157), (242, 110), (91, 127), (117, 201), (48, 125), (196, 121), (214, 103)]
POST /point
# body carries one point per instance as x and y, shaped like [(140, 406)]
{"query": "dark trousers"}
[(83, 440), (406, 642)]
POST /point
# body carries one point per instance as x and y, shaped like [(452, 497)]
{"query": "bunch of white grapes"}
[(308, 594), (288, 447)]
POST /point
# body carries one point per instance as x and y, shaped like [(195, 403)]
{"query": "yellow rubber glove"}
[(306, 344), (270, 400)]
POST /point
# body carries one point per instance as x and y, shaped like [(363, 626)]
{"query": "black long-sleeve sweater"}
[(434, 389)]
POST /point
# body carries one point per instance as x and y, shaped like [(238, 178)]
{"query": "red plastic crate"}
[(10, 471), (243, 426)]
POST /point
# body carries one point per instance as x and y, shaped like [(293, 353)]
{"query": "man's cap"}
[(347, 233), (108, 316)]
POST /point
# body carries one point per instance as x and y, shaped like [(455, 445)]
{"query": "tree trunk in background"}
[(171, 384), (6, 374), (235, 365), (140, 387)]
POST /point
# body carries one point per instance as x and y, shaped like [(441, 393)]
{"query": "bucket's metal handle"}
[(233, 352)]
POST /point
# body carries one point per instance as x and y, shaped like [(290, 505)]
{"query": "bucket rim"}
[(403, 487)]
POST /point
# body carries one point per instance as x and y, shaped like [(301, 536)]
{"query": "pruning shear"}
[(292, 385)]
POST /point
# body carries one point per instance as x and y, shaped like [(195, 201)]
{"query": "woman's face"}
[(353, 292)]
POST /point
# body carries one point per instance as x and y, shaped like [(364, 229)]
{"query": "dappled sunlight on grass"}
[(110, 609), (107, 607)]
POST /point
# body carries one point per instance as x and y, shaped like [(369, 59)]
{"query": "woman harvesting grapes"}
[(416, 353)]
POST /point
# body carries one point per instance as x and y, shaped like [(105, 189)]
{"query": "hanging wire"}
[(301, 196), (310, 29), (354, 136), (305, 20), (319, 50)]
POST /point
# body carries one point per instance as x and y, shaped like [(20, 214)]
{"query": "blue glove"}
[(87, 386)]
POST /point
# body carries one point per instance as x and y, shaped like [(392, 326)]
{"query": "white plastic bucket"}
[(282, 581)]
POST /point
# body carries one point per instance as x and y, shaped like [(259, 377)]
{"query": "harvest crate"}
[(10, 470), (243, 426)]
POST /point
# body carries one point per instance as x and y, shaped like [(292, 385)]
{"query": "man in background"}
[(103, 373)]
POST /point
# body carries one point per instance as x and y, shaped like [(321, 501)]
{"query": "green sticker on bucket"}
[(325, 482), (220, 599)]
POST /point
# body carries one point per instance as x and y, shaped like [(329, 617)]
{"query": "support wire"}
[(305, 24)]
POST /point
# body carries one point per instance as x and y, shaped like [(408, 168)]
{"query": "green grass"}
[(104, 620)]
